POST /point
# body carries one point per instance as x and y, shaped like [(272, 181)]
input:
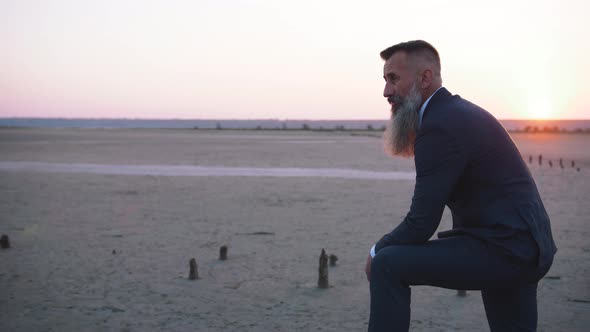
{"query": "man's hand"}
[(368, 268)]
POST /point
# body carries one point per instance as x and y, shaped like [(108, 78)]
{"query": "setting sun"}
[(540, 108)]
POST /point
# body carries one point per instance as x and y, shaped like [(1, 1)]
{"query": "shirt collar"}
[(424, 107)]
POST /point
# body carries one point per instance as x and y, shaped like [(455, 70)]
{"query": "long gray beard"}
[(400, 134)]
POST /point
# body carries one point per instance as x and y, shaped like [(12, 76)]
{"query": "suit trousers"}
[(508, 285)]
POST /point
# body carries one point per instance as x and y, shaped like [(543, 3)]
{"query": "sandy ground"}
[(110, 252)]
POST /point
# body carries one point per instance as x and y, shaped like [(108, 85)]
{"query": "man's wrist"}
[(373, 251)]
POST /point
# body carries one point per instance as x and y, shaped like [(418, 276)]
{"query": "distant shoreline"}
[(367, 125)]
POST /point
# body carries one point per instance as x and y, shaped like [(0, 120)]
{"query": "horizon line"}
[(255, 119)]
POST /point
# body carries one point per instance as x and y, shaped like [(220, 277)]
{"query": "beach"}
[(103, 223)]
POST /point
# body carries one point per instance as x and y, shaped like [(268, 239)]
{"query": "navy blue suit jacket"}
[(466, 160)]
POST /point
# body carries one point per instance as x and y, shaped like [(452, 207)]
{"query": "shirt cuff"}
[(373, 251)]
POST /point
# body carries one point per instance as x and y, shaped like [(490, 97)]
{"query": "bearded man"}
[(501, 241)]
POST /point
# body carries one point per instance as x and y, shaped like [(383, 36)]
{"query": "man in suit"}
[(501, 241)]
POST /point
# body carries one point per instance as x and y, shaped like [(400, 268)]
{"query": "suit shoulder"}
[(455, 113)]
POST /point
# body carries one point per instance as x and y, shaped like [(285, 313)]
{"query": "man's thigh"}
[(511, 309), (460, 262)]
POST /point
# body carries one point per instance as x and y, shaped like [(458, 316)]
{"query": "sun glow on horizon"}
[(540, 108)]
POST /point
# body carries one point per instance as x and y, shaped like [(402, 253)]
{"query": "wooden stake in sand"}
[(333, 259), (223, 253), (4, 241), (530, 159), (540, 159), (561, 163), (462, 293), (193, 274), (550, 164), (573, 164), (323, 270)]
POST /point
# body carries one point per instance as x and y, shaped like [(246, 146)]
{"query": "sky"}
[(304, 59)]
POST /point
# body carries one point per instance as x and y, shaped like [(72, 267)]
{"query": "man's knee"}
[(387, 261)]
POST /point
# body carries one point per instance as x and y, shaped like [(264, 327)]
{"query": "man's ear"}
[(426, 78)]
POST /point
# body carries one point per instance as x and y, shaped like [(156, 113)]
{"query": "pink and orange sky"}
[(284, 59)]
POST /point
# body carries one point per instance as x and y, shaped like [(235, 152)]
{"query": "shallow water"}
[(191, 170)]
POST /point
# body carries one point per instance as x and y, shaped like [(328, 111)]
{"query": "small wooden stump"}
[(462, 293), (333, 259), (573, 164), (550, 164), (4, 241), (540, 159), (578, 169), (530, 159), (193, 273), (323, 271), (223, 253), (561, 163), (114, 252)]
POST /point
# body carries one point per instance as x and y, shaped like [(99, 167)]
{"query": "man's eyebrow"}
[(390, 76)]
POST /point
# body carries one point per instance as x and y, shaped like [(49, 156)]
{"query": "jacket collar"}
[(439, 96)]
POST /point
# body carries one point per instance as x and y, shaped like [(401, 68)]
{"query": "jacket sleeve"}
[(440, 160)]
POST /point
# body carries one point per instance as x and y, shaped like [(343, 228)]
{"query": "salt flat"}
[(61, 273)]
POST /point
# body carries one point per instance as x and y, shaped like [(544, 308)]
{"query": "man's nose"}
[(388, 91)]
